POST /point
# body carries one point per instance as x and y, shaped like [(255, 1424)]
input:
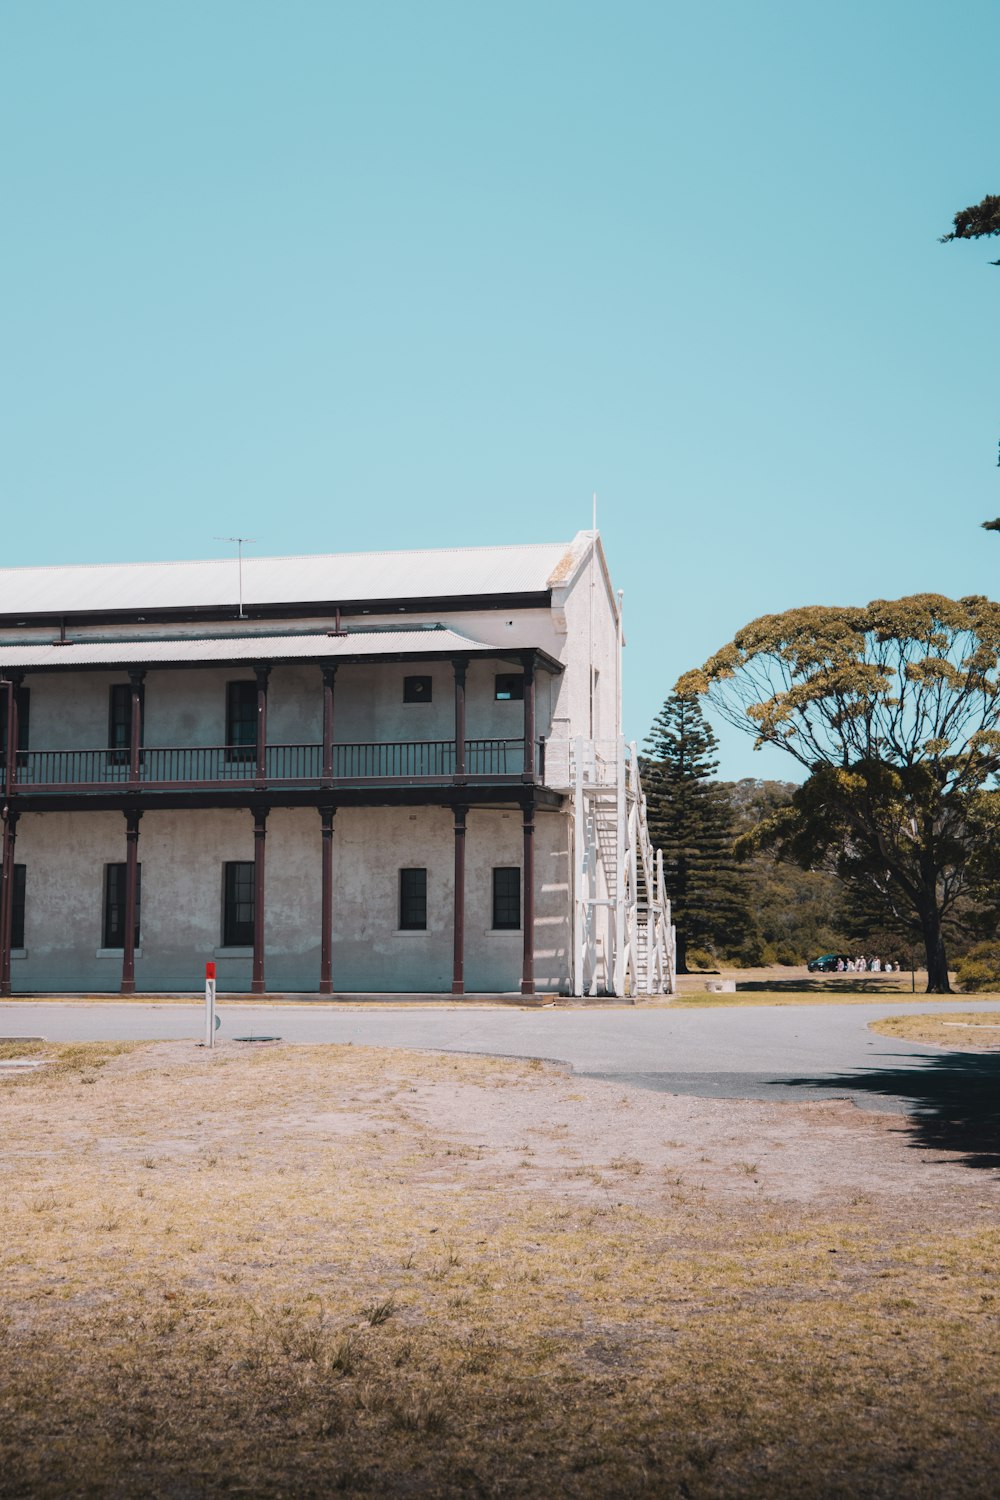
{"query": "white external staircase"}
[(623, 940)]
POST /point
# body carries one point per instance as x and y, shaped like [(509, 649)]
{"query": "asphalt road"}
[(758, 1052)]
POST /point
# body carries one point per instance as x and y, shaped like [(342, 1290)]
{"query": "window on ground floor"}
[(506, 898), (17, 910), (114, 905), (238, 904), (413, 900)]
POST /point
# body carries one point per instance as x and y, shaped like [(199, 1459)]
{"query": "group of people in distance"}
[(864, 965)]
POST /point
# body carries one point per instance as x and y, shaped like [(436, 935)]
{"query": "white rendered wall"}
[(69, 711), (590, 614), (182, 856)]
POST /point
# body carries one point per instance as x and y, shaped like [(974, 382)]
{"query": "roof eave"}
[(302, 608), (455, 653)]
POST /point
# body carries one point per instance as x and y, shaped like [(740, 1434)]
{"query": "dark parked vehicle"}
[(825, 964)]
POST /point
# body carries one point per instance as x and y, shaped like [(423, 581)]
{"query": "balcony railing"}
[(284, 765)]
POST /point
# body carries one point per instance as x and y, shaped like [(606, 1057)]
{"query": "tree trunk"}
[(681, 954), (937, 964)]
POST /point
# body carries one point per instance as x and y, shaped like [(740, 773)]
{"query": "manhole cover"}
[(256, 1039)]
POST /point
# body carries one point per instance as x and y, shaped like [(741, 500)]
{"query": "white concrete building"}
[(382, 772)]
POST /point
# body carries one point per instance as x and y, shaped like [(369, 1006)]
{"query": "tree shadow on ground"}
[(956, 1102), (879, 988)]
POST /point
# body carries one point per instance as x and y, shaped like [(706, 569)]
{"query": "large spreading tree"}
[(894, 712), (692, 820)]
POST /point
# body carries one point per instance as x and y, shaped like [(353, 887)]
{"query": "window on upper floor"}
[(238, 891), (241, 720), (120, 722), (413, 900), (506, 898), (23, 697), (508, 687), (114, 905), (417, 689), (17, 907)]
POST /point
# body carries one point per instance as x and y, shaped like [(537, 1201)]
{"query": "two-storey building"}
[(333, 773)]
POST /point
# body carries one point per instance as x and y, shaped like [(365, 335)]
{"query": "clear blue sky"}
[(384, 274)]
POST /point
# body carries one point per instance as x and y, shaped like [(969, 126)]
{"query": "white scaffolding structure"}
[(624, 942), (623, 938)]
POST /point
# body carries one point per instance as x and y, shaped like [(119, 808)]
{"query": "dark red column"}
[(326, 904), (131, 887), (135, 728), (528, 901), (458, 965), (329, 676), (7, 897), (10, 687), (259, 838), (461, 667), (9, 835), (529, 715), (261, 674)]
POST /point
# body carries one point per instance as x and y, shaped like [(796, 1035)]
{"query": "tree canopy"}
[(894, 711), (796, 913), (975, 222)]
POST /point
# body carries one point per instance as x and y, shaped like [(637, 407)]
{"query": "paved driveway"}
[(784, 1052)]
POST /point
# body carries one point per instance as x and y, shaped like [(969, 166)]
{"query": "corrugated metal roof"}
[(337, 578), (242, 648)]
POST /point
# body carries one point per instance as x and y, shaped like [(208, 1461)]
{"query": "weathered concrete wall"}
[(69, 711), (182, 857), (64, 855)]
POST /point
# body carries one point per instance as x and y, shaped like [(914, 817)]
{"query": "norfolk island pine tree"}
[(691, 819)]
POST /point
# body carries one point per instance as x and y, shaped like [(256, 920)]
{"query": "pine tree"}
[(691, 819)]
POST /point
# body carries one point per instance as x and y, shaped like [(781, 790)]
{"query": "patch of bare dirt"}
[(298, 1271)]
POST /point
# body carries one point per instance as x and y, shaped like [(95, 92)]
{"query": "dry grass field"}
[(788, 984), (336, 1271), (960, 1031)]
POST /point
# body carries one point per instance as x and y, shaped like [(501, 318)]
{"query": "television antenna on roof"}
[(241, 542)]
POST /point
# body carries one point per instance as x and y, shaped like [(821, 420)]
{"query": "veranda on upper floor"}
[(319, 710), (401, 668)]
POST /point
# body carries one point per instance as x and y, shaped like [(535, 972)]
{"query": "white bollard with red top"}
[(210, 1021)]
